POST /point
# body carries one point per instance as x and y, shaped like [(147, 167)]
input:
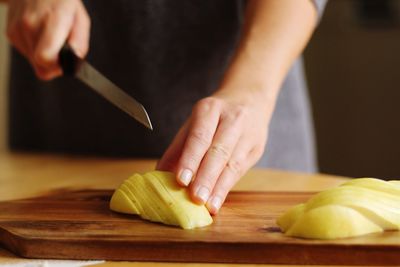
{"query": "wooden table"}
[(29, 175)]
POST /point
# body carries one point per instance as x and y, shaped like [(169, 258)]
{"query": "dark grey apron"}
[(168, 55)]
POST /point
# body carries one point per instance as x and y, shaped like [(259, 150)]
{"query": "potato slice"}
[(357, 207), (156, 196), (122, 203), (391, 187), (287, 220), (332, 221)]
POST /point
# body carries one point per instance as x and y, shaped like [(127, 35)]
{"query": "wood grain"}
[(79, 225), (26, 175)]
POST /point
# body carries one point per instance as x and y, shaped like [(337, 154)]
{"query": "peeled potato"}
[(156, 196), (357, 207)]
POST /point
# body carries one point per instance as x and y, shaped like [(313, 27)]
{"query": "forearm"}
[(274, 34), (226, 133)]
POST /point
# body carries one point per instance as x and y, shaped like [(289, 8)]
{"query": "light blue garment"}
[(291, 143)]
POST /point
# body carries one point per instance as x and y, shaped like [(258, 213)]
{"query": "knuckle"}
[(237, 114), (201, 137), (240, 112), (235, 166), (191, 161), (57, 14), (207, 104), (27, 23), (220, 151), (59, 8), (47, 10), (40, 58)]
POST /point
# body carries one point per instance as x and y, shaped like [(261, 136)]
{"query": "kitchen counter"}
[(29, 175)]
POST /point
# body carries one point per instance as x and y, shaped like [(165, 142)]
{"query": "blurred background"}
[(3, 78), (353, 72), (352, 65)]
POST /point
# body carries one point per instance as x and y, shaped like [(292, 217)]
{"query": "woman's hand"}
[(222, 139), (227, 132), (39, 28)]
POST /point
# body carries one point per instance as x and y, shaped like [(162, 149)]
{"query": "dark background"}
[(353, 72)]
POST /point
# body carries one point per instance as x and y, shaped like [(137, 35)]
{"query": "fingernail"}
[(215, 203), (203, 193), (186, 177)]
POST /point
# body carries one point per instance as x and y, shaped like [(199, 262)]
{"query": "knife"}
[(79, 68)]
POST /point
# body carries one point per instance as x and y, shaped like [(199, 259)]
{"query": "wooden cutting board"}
[(79, 225)]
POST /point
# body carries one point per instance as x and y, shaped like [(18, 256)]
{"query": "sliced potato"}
[(332, 221), (357, 207), (156, 196)]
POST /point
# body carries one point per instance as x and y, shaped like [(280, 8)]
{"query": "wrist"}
[(257, 97), (254, 79)]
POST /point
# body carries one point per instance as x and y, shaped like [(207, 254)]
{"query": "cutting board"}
[(79, 225)]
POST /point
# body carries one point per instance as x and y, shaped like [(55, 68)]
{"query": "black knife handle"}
[(68, 60)]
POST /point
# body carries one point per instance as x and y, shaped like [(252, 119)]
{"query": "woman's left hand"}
[(227, 132), (224, 137)]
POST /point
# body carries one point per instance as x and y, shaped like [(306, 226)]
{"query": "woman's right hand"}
[(39, 29)]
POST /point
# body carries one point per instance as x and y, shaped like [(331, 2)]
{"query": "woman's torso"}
[(166, 54)]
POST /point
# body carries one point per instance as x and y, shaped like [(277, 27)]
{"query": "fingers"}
[(169, 160), (80, 32), (217, 156), (14, 34), (19, 42), (204, 122), (226, 181), (30, 31), (219, 143), (243, 157), (55, 31), (39, 28)]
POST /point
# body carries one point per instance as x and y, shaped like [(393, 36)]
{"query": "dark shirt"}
[(166, 54)]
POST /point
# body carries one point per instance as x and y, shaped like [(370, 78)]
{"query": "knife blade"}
[(79, 68)]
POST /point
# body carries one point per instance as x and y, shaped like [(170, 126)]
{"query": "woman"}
[(208, 72)]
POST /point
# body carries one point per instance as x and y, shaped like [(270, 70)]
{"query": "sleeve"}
[(320, 6)]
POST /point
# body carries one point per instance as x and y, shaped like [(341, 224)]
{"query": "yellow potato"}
[(357, 207), (156, 196), (332, 221), (287, 220)]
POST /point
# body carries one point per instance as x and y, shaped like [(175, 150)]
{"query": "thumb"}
[(170, 159), (80, 32), (55, 32)]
